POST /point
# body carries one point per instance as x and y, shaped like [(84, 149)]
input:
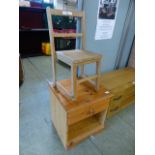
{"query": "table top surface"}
[(86, 94)]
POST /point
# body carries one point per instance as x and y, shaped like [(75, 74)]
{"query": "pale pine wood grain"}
[(71, 57)]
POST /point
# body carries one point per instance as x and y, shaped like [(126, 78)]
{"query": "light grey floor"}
[(38, 136)]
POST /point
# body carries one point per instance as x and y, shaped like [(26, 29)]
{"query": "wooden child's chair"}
[(74, 58)]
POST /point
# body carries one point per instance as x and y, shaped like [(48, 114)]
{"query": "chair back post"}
[(83, 25), (52, 44)]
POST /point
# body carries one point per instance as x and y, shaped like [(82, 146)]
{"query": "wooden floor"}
[(38, 136)]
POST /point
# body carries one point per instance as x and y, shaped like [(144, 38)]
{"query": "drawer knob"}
[(117, 98)]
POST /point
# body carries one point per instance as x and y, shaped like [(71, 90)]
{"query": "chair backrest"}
[(53, 12)]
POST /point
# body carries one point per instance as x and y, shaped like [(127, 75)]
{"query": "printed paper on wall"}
[(106, 18)]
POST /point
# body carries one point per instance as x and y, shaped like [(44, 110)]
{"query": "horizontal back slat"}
[(66, 13), (62, 35)]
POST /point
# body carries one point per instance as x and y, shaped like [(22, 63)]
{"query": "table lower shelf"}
[(83, 129)]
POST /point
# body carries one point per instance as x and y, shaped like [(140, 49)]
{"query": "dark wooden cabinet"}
[(33, 31), (31, 40)]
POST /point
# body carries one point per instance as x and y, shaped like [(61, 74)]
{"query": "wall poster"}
[(106, 18)]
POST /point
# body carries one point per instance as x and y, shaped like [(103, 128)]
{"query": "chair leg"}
[(54, 71), (73, 81), (82, 70), (98, 66)]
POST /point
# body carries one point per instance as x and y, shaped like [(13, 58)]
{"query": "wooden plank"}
[(98, 68), (66, 35), (78, 56), (83, 25), (59, 119), (117, 99), (117, 102), (81, 70), (86, 95), (62, 89), (83, 28), (118, 72), (117, 78), (52, 45), (74, 81), (92, 82), (102, 116), (124, 104), (87, 78), (82, 130), (127, 101), (86, 111), (57, 12), (113, 111)]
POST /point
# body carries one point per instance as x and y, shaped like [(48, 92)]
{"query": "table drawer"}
[(115, 103), (86, 111), (116, 100), (130, 89), (113, 110), (121, 93), (128, 100)]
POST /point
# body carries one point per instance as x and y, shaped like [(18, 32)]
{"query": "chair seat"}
[(77, 56)]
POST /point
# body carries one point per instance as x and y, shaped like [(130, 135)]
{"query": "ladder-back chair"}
[(74, 58)]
